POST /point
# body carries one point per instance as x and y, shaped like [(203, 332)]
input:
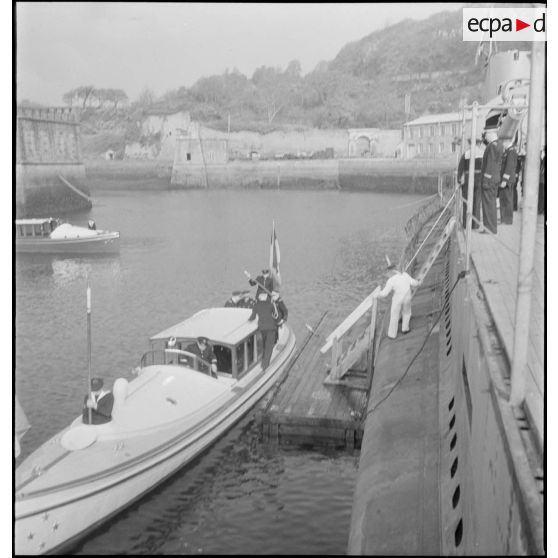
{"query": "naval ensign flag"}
[(274, 259)]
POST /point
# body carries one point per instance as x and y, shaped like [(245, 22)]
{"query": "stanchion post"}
[(470, 185)]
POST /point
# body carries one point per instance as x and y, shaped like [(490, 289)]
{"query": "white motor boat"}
[(171, 410), (49, 236)]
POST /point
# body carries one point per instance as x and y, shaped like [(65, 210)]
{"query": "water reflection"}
[(66, 271), (63, 270)]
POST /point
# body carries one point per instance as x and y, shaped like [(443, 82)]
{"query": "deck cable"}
[(460, 276), (431, 229)]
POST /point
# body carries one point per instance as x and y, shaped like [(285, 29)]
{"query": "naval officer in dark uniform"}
[(491, 179), (263, 310), (508, 184), (204, 350)]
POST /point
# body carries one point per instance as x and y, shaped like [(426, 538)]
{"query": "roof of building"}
[(33, 221), (454, 116), (435, 118), (222, 325)]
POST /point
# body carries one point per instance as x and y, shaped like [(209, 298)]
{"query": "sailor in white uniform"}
[(401, 284)]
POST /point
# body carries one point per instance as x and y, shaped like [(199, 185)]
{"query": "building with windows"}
[(433, 135)]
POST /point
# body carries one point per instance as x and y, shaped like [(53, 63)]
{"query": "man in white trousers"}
[(401, 284)]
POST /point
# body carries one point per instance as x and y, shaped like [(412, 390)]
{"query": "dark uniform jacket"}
[(492, 164), (103, 412), (463, 168), (263, 309), (509, 166), (267, 283), (207, 354)]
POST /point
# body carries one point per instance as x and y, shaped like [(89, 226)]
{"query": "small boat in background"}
[(50, 236), (173, 409)]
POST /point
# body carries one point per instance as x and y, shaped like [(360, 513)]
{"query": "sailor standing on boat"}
[(263, 310), (100, 402), (401, 284)]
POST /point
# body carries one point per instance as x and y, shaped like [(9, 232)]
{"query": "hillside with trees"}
[(365, 85)]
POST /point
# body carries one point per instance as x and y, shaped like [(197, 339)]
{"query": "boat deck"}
[(496, 261)]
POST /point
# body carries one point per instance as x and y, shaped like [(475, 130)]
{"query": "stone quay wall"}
[(377, 175), (48, 158)]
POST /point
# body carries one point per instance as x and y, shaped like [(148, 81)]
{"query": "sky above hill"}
[(132, 46)]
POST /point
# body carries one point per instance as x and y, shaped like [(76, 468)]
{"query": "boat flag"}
[(274, 259), (22, 425)]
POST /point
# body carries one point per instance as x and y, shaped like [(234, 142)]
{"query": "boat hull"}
[(55, 520), (108, 243)]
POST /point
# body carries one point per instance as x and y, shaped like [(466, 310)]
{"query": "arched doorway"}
[(362, 146)]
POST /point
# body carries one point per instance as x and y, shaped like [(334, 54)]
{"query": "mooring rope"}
[(72, 187), (431, 229)]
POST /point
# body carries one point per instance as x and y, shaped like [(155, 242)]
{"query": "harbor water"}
[(180, 252)]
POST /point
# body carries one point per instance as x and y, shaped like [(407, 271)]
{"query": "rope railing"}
[(450, 200)]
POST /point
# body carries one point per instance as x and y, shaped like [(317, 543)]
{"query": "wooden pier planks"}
[(305, 411)]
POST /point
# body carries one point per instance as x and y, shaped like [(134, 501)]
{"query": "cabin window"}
[(224, 358), (259, 345), (249, 354), (240, 360)]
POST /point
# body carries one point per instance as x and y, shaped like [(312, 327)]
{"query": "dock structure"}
[(303, 410)]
